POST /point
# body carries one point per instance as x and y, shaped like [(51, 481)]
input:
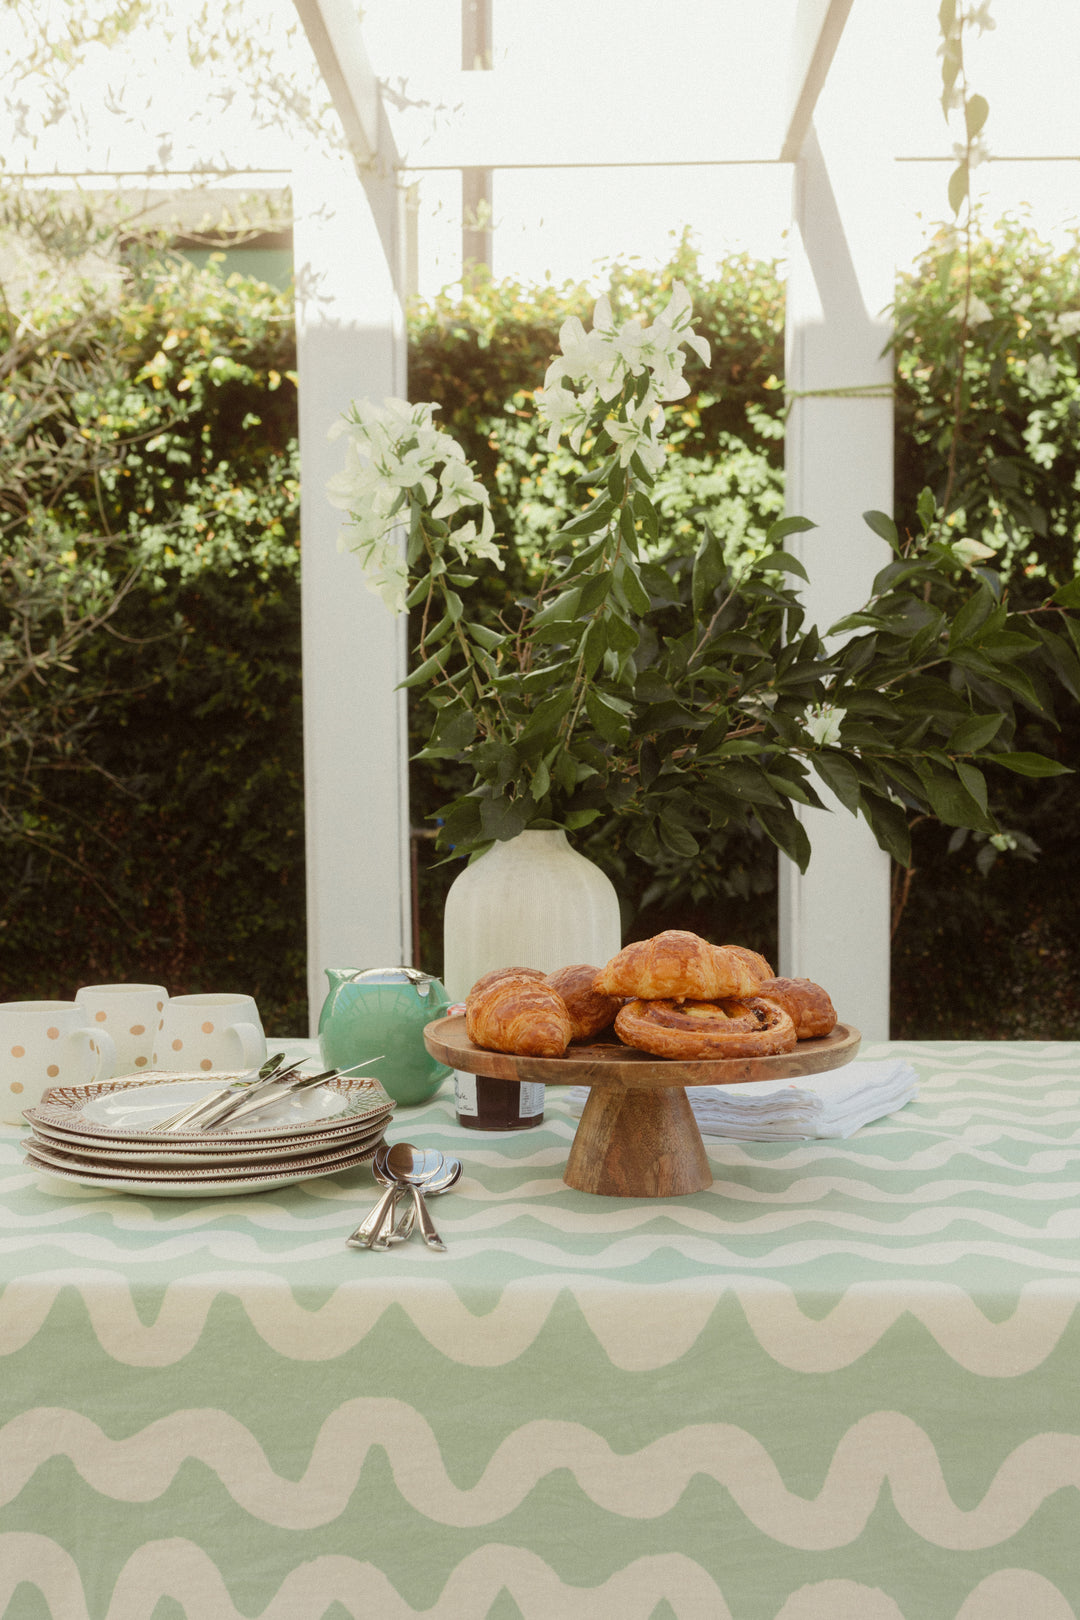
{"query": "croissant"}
[(706, 1029), (754, 961), (515, 1011), (500, 973), (677, 966), (590, 1010), (811, 1010)]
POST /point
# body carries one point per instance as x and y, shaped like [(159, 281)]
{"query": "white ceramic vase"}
[(529, 902)]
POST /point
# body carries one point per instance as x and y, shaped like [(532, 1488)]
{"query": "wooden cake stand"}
[(637, 1136)]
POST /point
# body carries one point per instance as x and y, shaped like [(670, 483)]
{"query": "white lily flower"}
[(471, 543), (639, 435), (564, 411), (384, 569), (587, 357), (677, 316), (822, 722), (459, 488)]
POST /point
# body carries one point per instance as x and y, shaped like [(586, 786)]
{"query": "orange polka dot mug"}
[(131, 1014), (215, 1032), (43, 1044)]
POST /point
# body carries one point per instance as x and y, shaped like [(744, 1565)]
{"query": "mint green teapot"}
[(381, 1013)]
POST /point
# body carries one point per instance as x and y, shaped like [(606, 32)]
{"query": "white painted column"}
[(834, 922), (350, 343)]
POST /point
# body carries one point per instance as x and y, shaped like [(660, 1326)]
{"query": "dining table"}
[(841, 1383)]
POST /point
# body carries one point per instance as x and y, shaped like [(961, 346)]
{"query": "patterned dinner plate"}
[(110, 1150), (126, 1110), (158, 1184)]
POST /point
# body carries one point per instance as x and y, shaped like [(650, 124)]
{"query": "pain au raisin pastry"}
[(515, 1011), (695, 1030), (590, 1010), (809, 1006), (677, 966)]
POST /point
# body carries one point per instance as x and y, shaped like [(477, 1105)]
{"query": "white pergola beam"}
[(838, 444), (819, 25), (335, 35), (350, 262)]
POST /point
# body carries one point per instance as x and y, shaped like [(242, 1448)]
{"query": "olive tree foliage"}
[(155, 86), (64, 572)]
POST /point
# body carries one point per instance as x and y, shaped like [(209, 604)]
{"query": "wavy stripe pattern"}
[(634, 1334), (180, 1570), (886, 1448), (847, 1355)]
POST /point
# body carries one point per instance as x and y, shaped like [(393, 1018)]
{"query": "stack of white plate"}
[(102, 1135)]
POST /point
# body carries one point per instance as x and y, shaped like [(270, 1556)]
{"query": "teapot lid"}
[(393, 975)]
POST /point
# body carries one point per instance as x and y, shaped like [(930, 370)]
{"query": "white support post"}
[(350, 343), (834, 922)]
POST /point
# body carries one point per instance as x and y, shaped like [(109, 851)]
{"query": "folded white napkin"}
[(834, 1104)]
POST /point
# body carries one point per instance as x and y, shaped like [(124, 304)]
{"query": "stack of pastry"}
[(674, 996), (692, 1000)]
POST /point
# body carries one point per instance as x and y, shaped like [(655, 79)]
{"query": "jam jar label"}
[(465, 1092), (532, 1100)]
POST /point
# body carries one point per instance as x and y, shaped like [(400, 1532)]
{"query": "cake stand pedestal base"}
[(638, 1143)]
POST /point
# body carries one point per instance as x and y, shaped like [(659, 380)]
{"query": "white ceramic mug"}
[(217, 1031), (43, 1044), (131, 1013)]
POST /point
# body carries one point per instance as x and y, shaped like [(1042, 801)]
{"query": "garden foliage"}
[(151, 801), (150, 780)]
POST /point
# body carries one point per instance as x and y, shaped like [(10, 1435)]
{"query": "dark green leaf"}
[(889, 825), (430, 667), (883, 526), (974, 733), (1028, 764), (972, 613), (951, 802), (593, 592), (677, 838), (780, 530), (1068, 596), (974, 781), (608, 720), (548, 712), (786, 832), (785, 563), (840, 775), (488, 639), (628, 582), (503, 818)]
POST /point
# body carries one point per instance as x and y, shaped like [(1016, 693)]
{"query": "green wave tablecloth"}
[(844, 1384)]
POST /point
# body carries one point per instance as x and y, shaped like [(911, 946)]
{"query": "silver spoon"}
[(438, 1184), (415, 1167)]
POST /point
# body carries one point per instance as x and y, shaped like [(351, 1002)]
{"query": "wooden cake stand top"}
[(637, 1136), (613, 1064)]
